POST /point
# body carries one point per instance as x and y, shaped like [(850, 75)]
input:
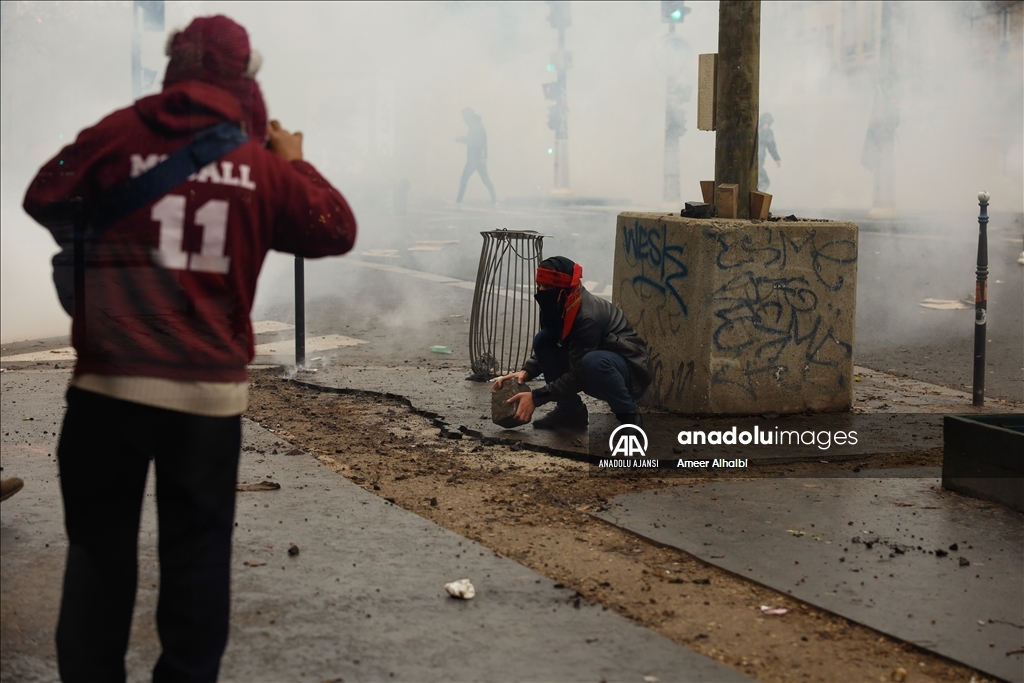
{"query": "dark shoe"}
[(564, 418), (631, 419)]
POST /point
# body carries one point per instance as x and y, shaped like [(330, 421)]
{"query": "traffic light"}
[(673, 11), (560, 17), (552, 91), (561, 60)]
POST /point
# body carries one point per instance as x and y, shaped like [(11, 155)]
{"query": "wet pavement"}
[(900, 555), (362, 599)]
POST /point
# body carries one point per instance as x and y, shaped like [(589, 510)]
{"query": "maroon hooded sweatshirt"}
[(169, 289)]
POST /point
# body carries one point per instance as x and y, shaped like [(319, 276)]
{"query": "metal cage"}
[(505, 316)]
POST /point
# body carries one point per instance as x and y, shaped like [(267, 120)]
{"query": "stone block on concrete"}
[(503, 413), (741, 317)]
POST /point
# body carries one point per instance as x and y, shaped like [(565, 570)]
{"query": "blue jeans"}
[(471, 168), (605, 373)]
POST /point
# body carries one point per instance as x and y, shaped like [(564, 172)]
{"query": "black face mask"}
[(551, 312)]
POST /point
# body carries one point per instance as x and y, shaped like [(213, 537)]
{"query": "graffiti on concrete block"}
[(660, 268), (769, 247), (773, 325), (670, 380)]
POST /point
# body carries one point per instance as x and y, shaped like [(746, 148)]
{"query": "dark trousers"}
[(104, 453), (606, 374), (481, 168)]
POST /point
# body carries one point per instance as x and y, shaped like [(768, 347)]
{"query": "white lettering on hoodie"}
[(208, 174)]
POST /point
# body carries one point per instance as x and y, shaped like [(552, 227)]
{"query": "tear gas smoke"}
[(377, 89)]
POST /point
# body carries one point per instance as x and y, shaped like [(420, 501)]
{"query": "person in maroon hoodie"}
[(163, 336)]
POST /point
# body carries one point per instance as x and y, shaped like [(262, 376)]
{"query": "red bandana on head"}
[(571, 283)]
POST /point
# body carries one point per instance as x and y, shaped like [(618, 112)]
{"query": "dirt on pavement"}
[(533, 508)]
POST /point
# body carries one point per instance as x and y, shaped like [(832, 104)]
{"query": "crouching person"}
[(585, 344)]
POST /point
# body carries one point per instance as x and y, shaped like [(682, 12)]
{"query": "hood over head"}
[(212, 51)]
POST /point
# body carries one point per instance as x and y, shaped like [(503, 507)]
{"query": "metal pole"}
[(981, 301), (670, 190), (887, 109), (136, 54), (300, 313), (562, 134)]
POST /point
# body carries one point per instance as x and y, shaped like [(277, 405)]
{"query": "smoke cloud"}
[(377, 89)]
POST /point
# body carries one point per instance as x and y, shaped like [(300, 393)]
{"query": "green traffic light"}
[(676, 15), (550, 151), (551, 67)]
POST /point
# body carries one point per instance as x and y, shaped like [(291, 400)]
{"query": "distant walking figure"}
[(476, 153), (765, 146)]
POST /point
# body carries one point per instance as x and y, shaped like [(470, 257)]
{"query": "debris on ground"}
[(441, 349), (461, 589), (262, 486), (253, 563), (774, 611), (293, 550), (945, 304)]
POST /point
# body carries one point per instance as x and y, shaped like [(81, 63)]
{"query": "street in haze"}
[(783, 201)]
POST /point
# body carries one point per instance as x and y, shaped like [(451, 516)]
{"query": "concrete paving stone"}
[(363, 599), (902, 556)]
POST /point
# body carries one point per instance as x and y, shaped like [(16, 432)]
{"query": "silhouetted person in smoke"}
[(476, 153), (766, 146)]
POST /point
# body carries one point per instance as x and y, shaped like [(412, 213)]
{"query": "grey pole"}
[(136, 53), (981, 301), (300, 313), (670, 190)]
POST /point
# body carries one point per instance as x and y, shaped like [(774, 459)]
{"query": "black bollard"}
[(300, 314), (981, 302)]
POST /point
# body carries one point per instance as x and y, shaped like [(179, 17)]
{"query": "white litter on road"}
[(776, 611), (946, 304), (462, 589)]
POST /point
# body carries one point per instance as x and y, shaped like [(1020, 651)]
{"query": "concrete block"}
[(741, 317), (707, 191), (760, 205), (727, 200), (983, 457), (698, 210), (503, 413)]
